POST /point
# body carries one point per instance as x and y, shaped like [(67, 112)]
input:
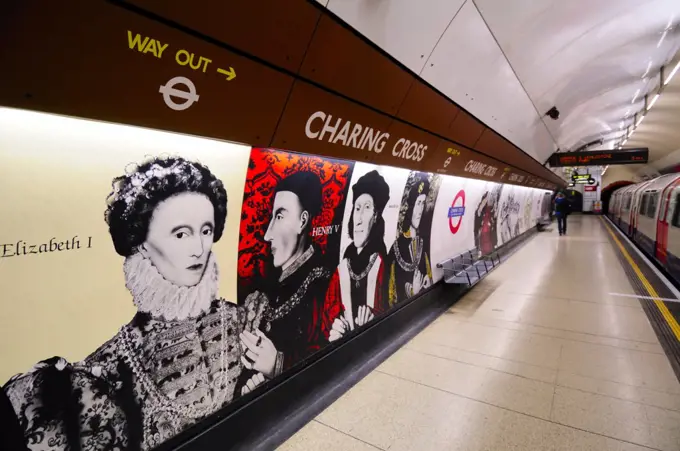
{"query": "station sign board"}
[(582, 179), (600, 157)]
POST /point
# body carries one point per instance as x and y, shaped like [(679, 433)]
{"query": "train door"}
[(666, 209), (624, 213), (635, 208), (672, 242), (636, 197), (622, 205), (612, 206)]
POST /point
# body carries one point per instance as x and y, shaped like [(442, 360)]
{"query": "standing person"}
[(562, 209), (178, 360), (355, 296), (291, 326)]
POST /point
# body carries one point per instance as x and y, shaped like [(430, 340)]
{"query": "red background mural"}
[(266, 168)]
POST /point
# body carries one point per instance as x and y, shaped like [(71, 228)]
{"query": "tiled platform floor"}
[(539, 356)]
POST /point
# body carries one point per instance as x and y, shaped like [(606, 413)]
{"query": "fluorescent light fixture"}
[(639, 121), (651, 104), (675, 69), (624, 142), (663, 36)]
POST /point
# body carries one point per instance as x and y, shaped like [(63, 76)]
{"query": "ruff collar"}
[(155, 295)]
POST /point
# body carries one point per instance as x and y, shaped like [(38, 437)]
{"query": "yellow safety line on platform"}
[(675, 327)]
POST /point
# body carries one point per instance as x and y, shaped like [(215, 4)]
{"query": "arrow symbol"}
[(231, 73)]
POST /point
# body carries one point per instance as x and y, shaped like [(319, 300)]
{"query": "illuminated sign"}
[(600, 157), (582, 179)]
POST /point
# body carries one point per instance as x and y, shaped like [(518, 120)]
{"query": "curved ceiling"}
[(508, 63)]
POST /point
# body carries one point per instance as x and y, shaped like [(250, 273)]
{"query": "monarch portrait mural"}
[(178, 273)]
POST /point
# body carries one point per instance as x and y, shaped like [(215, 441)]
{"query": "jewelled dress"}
[(153, 379)]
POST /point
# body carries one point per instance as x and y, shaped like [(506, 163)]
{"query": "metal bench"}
[(469, 267)]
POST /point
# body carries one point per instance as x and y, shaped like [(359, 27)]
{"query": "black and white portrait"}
[(509, 215), (179, 359), (355, 294)]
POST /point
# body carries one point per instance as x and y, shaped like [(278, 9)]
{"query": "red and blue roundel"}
[(456, 211)]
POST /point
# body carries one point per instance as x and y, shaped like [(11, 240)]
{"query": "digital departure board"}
[(600, 157)]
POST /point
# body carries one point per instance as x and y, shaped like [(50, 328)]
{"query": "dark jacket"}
[(562, 206)]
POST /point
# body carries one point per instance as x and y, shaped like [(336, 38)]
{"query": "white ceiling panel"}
[(660, 129), (468, 66), (593, 60), (595, 117), (549, 41), (406, 29), (509, 62)]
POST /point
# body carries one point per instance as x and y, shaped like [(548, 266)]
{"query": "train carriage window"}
[(676, 211), (642, 206), (652, 201), (629, 199)]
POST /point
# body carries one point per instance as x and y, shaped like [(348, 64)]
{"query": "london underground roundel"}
[(456, 211)]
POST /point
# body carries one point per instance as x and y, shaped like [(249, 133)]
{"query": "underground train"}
[(649, 214)]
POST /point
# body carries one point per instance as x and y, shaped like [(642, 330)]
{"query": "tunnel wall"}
[(69, 270)]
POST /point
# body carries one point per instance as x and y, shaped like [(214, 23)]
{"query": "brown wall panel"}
[(117, 64), (465, 129), (343, 62), (67, 59), (453, 159), (307, 100), (274, 30), (310, 125), (428, 109), (408, 147), (456, 160), (492, 144)]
